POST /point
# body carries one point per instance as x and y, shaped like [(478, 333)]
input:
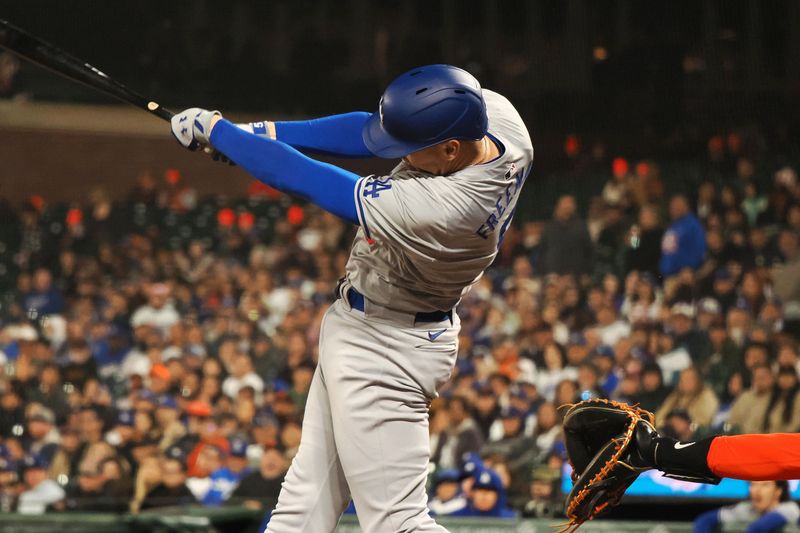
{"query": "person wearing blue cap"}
[(237, 461), (472, 463), (487, 497), (40, 492), (225, 480), (447, 497)]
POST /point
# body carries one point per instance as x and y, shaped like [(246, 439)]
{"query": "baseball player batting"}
[(427, 231)]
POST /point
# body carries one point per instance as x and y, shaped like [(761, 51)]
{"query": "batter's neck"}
[(475, 153)]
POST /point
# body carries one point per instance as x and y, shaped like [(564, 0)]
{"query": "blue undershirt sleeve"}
[(338, 135), (281, 166)]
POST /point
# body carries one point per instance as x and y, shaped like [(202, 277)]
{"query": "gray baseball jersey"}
[(425, 239)]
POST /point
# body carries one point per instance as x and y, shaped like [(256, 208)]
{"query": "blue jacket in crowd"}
[(683, 245)]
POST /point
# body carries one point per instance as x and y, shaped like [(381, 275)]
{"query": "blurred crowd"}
[(158, 349)]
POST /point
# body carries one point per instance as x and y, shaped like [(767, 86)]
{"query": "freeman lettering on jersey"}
[(504, 201)]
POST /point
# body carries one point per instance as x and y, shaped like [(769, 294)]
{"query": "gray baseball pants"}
[(365, 430)]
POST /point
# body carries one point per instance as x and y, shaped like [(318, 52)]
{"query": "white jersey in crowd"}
[(425, 239)]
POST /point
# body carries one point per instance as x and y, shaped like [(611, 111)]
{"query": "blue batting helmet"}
[(426, 106)]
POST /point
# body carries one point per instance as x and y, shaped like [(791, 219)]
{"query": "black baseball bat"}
[(52, 58)]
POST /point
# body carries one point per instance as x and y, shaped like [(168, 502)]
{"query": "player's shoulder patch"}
[(374, 186)]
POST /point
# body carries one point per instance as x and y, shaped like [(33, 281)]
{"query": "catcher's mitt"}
[(598, 435)]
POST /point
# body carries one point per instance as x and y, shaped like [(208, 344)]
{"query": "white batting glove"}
[(192, 127)]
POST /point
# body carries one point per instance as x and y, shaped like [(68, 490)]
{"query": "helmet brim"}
[(382, 144)]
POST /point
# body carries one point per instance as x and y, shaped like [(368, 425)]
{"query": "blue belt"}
[(356, 301)]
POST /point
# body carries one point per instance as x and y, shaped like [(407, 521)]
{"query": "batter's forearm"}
[(338, 135), (284, 168)]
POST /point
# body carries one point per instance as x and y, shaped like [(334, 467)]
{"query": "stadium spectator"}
[(785, 272), (242, 375), (748, 412), (259, 489), (547, 427), (553, 371), (693, 395), (461, 437), (171, 490), (158, 312), (768, 508), (643, 243), (487, 497), (40, 492), (545, 501), (43, 299), (446, 497), (95, 492), (565, 247), (517, 448), (41, 438), (487, 410), (642, 301), (684, 242), (670, 357), (225, 479), (678, 425), (783, 409)]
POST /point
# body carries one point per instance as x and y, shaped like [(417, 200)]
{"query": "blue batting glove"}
[(192, 127)]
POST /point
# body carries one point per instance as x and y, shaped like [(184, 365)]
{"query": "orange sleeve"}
[(768, 457)]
